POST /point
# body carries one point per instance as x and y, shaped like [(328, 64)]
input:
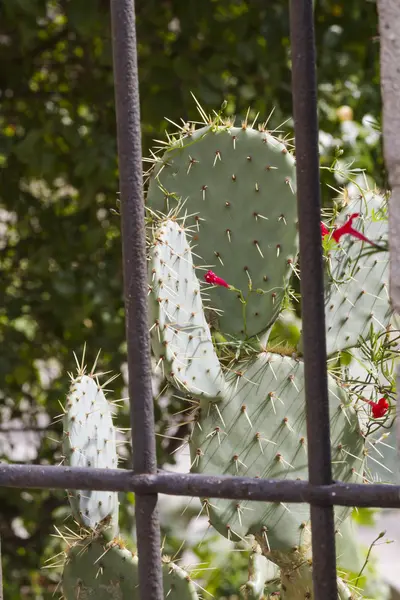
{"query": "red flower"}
[(380, 408), (348, 228), (324, 229), (212, 278)]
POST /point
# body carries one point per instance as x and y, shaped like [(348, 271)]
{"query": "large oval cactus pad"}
[(237, 186), (259, 430)]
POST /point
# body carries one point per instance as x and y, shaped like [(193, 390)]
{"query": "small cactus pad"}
[(261, 571), (96, 569), (180, 335), (237, 187), (357, 293), (259, 430), (89, 441)]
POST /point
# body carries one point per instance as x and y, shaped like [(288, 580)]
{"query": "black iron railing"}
[(145, 480)]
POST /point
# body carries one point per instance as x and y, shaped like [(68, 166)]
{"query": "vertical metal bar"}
[(304, 90), (135, 288), (1, 575)]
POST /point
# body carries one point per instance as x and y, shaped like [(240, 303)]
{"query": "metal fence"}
[(145, 479)]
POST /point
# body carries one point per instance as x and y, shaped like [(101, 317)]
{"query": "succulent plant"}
[(222, 199), (263, 574), (222, 248), (97, 562)]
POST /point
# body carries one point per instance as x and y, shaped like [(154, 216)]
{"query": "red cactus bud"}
[(380, 408), (324, 229), (348, 228), (211, 277)]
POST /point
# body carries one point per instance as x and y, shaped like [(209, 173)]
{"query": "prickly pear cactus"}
[(236, 189), (89, 441), (180, 335), (259, 430), (231, 192), (357, 295), (96, 568), (222, 233)]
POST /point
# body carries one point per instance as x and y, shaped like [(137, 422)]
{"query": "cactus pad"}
[(103, 570), (180, 335), (261, 572), (357, 294), (237, 188), (259, 430), (89, 441)]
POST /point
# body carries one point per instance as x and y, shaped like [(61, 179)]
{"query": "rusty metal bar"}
[(304, 91), (135, 288), (185, 484), (1, 574)]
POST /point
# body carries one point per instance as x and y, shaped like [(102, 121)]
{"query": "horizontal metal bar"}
[(203, 486)]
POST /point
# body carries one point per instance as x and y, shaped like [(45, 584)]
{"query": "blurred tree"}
[(61, 278)]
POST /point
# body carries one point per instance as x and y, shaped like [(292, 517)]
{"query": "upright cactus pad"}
[(259, 430), (89, 441), (237, 187), (180, 334), (357, 295), (101, 570)]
